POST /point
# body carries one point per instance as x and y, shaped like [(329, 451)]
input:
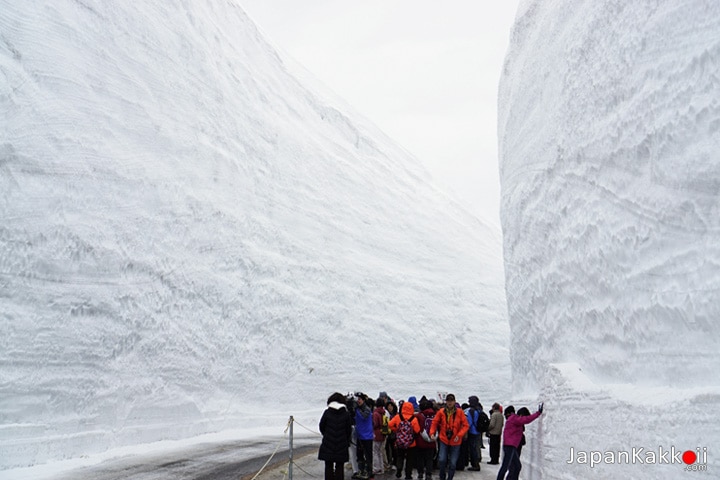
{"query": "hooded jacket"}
[(514, 427), (457, 421), (335, 427), (407, 412)]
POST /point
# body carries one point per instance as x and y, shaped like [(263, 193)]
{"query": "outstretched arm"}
[(528, 419)]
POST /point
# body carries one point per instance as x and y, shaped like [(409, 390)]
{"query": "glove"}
[(540, 407)]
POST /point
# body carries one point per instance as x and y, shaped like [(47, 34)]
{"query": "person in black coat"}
[(335, 427)]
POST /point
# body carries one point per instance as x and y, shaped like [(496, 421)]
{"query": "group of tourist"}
[(381, 436)]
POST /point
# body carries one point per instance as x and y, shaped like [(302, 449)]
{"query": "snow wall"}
[(191, 240), (609, 136)]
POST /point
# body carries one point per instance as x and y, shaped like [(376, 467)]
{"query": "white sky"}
[(426, 72)]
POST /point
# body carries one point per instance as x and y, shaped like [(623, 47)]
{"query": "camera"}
[(449, 433)]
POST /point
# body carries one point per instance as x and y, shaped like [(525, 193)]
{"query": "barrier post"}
[(290, 468)]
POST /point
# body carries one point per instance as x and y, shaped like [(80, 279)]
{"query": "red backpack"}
[(404, 436)]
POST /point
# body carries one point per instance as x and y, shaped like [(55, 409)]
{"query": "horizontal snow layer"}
[(608, 129), (189, 236)]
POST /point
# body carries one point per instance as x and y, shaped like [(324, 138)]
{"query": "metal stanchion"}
[(290, 469)]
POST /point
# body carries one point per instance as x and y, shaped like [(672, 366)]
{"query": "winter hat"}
[(413, 400), (473, 401), (450, 396)]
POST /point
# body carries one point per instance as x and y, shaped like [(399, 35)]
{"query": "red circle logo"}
[(689, 457)]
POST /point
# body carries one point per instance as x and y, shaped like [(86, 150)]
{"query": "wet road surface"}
[(239, 460)]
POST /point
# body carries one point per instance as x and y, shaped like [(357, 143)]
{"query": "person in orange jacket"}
[(405, 448), (450, 425)]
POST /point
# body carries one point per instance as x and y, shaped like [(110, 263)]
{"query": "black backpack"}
[(482, 423)]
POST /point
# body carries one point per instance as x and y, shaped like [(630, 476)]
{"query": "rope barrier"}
[(277, 447), (316, 433), (305, 472), (287, 426)]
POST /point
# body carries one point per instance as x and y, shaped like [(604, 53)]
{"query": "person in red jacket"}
[(405, 451), (425, 451), (379, 440), (450, 425)]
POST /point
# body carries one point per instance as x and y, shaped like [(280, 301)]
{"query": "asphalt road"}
[(232, 461)]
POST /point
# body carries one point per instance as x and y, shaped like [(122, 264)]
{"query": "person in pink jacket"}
[(512, 436)]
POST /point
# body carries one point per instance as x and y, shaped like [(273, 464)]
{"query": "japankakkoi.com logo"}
[(691, 460)]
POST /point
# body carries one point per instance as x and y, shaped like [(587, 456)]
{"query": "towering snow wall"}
[(190, 239), (609, 133)]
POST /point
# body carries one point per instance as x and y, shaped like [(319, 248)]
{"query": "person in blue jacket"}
[(474, 434), (365, 436)]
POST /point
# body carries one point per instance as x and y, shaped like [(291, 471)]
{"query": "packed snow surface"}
[(192, 240), (609, 133)]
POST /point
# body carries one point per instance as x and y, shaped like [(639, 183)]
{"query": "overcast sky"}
[(426, 72)]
